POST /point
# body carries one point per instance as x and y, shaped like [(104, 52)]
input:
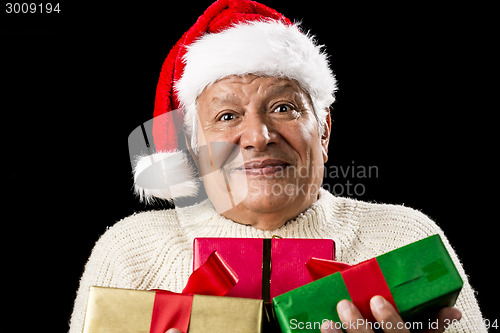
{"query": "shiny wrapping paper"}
[(418, 279), (265, 267), (112, 310)]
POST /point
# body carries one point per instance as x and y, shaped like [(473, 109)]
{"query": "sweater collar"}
[(202, 220)]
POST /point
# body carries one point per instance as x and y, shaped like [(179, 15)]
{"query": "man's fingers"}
[(173, 330), (384, 312), (351, 318), (330, 327), (387, 317)]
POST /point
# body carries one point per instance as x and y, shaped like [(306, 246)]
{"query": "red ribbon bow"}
[(363, 281), (173, 310)]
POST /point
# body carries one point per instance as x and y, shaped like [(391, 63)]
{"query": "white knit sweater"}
[(154, 250)]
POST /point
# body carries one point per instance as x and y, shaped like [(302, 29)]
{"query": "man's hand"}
[(173, 330), (385, 313)]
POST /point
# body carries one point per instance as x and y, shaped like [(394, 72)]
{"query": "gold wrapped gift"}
[(111, 310)]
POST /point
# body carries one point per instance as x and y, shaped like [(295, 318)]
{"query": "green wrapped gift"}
[(418, 279)]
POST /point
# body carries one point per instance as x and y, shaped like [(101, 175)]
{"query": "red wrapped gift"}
[(265, 268)]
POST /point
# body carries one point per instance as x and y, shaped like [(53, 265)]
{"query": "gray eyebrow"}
[(226, 98)]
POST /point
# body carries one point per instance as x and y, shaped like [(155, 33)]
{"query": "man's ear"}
[(325, 138)]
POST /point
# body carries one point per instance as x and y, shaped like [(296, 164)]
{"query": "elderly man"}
[(254, 93)]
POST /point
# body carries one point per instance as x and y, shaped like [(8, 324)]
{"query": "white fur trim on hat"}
[(165, 175), (270, 48)]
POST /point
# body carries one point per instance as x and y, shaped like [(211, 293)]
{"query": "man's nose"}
[(257, 133)]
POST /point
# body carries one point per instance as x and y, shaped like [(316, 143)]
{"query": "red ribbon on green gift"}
[(173, 310), (363, 281)]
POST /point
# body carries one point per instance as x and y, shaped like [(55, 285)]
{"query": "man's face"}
[(276, 154)]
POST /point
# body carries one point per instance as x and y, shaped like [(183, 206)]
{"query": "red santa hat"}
[(232, 37)]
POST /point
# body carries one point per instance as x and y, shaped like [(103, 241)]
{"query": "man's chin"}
[(263, 202), (267, 210)]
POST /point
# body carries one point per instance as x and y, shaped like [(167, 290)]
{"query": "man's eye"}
[(282, 108), (227, 117)]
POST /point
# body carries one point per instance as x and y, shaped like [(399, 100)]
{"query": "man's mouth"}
[(263, 167)]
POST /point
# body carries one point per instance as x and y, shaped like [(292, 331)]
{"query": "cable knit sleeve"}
[(380, 228), (103, 268), (107, 266), (142, 251)]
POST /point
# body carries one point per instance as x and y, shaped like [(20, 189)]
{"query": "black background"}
[(416, 85)]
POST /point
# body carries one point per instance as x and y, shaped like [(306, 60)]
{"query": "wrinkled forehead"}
[(241, 89)]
